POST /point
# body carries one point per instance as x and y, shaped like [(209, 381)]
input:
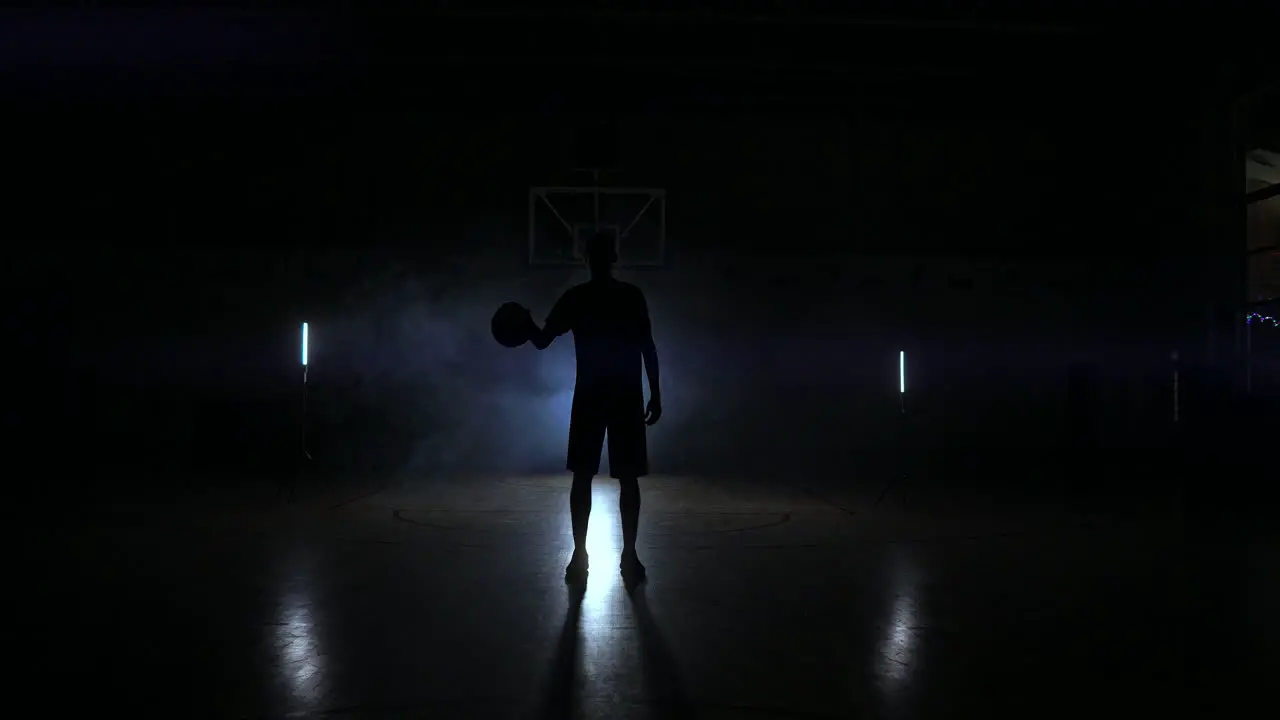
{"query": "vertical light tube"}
[(1248, 355), (902, 371), (304, 344)]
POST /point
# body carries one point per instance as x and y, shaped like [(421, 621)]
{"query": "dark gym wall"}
[(996, 241), (997, 247)]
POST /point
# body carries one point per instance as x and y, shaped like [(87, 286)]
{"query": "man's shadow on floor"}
[(664, 688), (565, 684), (665, 693)]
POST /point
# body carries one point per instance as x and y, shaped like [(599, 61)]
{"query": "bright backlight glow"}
[(902, 371), (304, 344)]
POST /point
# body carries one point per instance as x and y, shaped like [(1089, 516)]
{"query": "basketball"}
[(512, 325)]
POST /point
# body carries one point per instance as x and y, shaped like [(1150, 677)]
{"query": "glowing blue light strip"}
[(902, 371), (304, 344), (1248, 319)]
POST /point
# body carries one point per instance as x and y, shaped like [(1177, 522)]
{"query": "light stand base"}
[(305, 460), (899, 474)]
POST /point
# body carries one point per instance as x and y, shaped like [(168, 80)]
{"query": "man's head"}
[(601, 252)]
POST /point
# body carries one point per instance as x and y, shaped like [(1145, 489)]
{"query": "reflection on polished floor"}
[(446, 600)]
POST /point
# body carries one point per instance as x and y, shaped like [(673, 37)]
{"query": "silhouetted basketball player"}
[(611, 334)]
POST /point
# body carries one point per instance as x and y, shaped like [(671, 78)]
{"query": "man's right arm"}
[(559, 322)]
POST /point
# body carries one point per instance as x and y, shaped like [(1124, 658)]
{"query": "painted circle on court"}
[(658, 523)]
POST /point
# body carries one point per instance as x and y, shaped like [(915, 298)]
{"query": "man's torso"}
[(610, 326)]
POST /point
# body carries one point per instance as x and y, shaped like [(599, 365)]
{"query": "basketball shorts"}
[(618, 415)]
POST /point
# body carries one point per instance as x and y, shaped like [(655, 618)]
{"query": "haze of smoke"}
[(416, 358)]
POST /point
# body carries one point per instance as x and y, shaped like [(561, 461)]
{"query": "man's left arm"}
[(649, 350)]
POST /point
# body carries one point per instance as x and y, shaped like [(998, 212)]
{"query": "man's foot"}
[(576, 572), (632, 569)]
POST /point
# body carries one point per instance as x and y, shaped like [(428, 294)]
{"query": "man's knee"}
[(629, 485), (582, 482)]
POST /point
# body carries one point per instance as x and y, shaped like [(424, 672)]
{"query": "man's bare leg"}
[(629, 508), (580, 514)]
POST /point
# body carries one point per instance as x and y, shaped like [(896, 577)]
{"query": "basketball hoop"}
[(561, 218)]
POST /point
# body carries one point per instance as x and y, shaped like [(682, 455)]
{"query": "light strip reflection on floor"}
[(301, 662)]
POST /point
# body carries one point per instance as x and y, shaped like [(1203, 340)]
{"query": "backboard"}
[(561, 219)]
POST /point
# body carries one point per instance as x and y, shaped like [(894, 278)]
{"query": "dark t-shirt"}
[(609, 320)]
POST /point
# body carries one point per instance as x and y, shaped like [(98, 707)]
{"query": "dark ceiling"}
[(624, 50)]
